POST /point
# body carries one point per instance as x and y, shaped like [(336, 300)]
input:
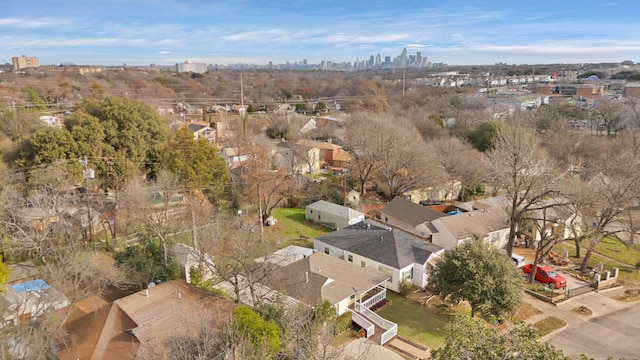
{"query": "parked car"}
[(546, 275), (518, 260)]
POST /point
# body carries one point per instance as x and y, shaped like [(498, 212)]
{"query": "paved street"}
[(612, 330)]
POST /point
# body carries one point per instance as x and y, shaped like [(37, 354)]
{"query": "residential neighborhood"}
[(205, 213)]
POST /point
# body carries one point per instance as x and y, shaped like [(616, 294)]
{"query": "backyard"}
[(290, 226), (424, 324)]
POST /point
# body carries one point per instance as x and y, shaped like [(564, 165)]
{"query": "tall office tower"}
[(24, 62), (419, 58), (403, 58), (387, 61), (412, 59), (370, 62), (377, 63)]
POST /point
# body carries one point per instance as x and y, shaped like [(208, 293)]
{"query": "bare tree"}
[(362, 135), (610, 113), (520, 167), (605, 196)]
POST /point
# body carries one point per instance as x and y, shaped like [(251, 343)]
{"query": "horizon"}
[(458, 33)]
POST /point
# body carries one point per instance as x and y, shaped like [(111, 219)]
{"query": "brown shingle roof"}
[(479, 222), (119, 330), (329, 278)]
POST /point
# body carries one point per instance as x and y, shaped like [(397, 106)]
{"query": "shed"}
[(332, 215)]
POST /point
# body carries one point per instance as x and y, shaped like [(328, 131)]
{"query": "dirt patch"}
[(582, 310), (629, 295), (525, 312)]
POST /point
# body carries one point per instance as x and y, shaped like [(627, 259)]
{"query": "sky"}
[(456, 32)]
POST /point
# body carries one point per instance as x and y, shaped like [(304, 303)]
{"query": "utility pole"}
[(87, 175)]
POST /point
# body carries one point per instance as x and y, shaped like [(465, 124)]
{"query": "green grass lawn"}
[(627, 273), (291, 224), (425, 325), (549, 324)]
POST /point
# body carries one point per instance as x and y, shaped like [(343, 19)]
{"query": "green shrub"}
[(343, 322), (406, 288)]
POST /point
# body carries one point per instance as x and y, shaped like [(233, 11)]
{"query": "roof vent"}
[(368, 226), (319, 270), (381, 238), (306, 274)]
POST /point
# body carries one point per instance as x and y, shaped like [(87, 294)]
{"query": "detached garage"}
[(332, 215)]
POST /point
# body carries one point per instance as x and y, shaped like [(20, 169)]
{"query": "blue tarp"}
[(454, 212), (35, 285)]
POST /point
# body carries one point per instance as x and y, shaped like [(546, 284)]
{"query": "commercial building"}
[(188, 66), (24, 62)]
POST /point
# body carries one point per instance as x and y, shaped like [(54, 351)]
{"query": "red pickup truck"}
[(546, 275)]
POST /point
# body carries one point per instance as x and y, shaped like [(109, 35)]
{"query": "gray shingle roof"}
[(388, 246), (410, 213), (479, 222)]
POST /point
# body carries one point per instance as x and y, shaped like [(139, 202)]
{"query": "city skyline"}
[(459, 32)]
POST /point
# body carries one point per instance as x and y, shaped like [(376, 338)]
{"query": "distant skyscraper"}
[(419, 58), (377, 63), (387, 60), (403, 58)]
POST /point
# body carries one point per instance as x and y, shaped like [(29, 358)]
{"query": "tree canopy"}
[(473, 339), (197, 164), (481, 274)]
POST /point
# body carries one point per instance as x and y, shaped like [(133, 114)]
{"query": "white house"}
[(396, 253), (332, 215), (490, 224)]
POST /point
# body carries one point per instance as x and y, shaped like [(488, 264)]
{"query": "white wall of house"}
[(443, 237), (329, 219), (328, 249), (395, 274), (342, 305)]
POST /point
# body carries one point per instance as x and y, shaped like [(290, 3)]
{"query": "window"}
[(350, 258), (407, 275), (387, 271), (326, 250), (363, 263)]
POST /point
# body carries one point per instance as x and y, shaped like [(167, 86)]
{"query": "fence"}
[(363, 322), (582, 289), (390, 327)]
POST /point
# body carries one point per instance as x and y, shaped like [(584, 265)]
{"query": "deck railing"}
[(363, 322), (390, 327), (380, 296)]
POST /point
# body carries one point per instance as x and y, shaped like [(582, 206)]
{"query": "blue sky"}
[(456, 32)]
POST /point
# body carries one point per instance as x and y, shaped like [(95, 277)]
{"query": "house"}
[(490, 224), (332, 215), (449, 191), (202, 130), (351, 196), (321, 277), (330, 154), (558, 220), (25, 300), (296, 158), (139, 325), (396, 253), (189, 258), (233, 157), (409, 216)]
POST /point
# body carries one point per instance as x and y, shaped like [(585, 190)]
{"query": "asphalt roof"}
[(410, 213), (389, 246)]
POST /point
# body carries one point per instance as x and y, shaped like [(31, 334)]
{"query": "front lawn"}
[(425, 325), (627, 273), (548, 325)]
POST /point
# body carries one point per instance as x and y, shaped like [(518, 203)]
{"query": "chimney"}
[(146, 292), (306, 274)]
